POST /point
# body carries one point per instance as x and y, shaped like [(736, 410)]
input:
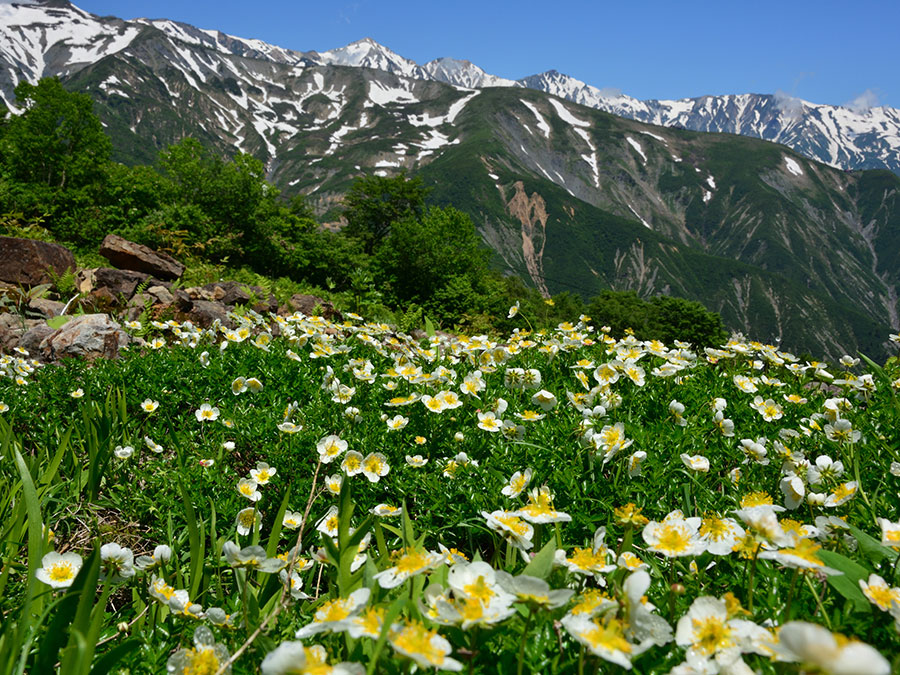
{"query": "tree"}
[(436, 261), (375, 203), (57, 142), (661, 317)]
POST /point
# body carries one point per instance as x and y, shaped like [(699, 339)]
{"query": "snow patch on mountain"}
[(541, 122), (792, 166), (637, 147), (381, 94), (566, 116)]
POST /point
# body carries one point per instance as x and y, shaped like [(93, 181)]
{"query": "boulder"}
[(90, 336), (32, 338), (26, 261), (119, 283), (46, 308), (311, 305), (204, 312), (12, 327), (128, 255), (234, 293)]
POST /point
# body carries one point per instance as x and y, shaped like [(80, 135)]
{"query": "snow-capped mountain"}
[(53, 37), (860, 138), (465, 74)]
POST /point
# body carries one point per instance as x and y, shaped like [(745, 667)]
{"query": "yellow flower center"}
[(480, 590), (334, 610), (711, 634), (609, 637), (411, 561), (416, 639), (756, 499), (590, 600), (201, 661), (673, 539), (587, 559), (805, 550), (61, 571), (715, 528)]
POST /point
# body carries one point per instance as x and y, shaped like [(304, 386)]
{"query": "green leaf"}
[(106, 662), (58, 322), (541, 565), (872, 547), (429, 328), (275, 534), (847, 584)]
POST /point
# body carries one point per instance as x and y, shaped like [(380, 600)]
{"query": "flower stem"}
[(522, 643)]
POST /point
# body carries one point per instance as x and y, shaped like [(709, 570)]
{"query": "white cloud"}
[(864, 102), (789, 105)]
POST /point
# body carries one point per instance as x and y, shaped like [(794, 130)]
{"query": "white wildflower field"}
[(300, 496)]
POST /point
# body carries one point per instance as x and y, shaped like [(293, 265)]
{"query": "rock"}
[(311, 305), (46, 308), (128, 255), (119, 283), (90, 336), (161, 295), (234, 293), (203, 313), (32, 338), (85, 280), (27, 261), (12, 327)]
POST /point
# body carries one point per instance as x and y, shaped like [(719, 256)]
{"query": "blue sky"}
[(825, 51)]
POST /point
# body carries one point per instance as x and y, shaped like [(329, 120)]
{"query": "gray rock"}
[(46, 308), (128, 255), (26, 261), (32, 338), (90, 336), (204, 312), (161, 295), (311, 305)]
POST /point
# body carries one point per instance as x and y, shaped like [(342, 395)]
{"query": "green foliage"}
[(661, 317), (437, 262), (57, 142), (374, 204)]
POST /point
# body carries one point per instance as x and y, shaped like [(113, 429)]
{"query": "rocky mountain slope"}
[(569, 197)]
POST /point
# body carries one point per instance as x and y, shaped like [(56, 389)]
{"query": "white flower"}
[(59, 570), (517, 483), (814, 645), (416, 461), (263, 473), (330, 447), (513, 310), (154, 446), (374, 466), (149, 405), (248, 488), (546, 400), (123, 452), (78, 393), (206, 413), (695, 462)]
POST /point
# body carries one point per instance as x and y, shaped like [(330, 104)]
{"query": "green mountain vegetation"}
[(397, 254)]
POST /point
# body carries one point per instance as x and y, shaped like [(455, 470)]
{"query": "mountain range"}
[(572, 187)]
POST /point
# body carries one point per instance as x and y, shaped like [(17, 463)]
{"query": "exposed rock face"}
[(89, 335), (532, 213), (26, 261), (128, 255)]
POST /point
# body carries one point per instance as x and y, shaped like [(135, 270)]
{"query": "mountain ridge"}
[(844, 138)]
